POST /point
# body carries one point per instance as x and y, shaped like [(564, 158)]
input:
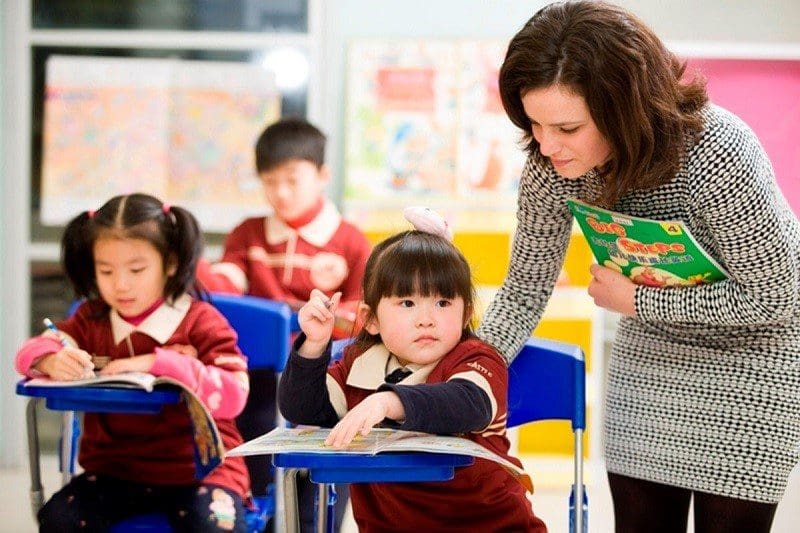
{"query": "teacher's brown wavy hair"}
[(633, 86)]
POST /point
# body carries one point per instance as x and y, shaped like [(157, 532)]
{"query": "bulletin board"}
[(424, 125), (183, 131)]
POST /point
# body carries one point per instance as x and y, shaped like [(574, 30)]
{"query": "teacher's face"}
[(565, 131)]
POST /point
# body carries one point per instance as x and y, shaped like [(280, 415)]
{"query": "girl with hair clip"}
[(415, 365), (133, 260), (702, 397)]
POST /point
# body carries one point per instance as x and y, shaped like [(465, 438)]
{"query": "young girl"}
[(415, 366), (133, 260)]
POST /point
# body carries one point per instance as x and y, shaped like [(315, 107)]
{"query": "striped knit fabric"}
[(703, 387)]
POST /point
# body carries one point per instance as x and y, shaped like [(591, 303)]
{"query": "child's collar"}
[(370, 368), (159, 325), (318, 231)]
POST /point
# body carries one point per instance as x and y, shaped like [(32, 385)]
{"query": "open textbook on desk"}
[(650, 252), (311, 439), (208, 448)]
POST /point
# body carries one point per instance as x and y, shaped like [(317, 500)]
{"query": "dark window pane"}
[(212, 15), (293, 103)]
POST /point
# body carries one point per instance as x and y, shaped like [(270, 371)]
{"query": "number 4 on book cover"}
[(650, 252)]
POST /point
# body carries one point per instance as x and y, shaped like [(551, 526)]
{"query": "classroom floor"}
[(550, 500)]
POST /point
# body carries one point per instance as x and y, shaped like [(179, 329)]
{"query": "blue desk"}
[(353, 468), (86, 399)]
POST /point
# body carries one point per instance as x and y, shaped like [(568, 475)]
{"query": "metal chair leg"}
[(67, 431), (37, 491)]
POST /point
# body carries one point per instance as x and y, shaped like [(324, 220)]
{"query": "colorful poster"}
[(181, 130), (424, 125)]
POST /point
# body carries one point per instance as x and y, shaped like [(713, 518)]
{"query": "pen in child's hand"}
[(52, 327)]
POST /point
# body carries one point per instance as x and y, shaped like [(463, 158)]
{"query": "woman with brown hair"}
[(703, 388)]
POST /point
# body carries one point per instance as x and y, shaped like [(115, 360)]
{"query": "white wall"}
[(765, 21)]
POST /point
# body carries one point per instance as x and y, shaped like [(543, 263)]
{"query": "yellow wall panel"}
[(574, 331), (486, 253), (551, 437), (576, 264)]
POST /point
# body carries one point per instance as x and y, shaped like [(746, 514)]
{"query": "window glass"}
[(290, 66), (212, 15)]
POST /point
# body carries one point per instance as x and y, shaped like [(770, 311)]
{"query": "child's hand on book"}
[(138, 363), (316, 319), (363, 417), (67, 364), (612, 290)]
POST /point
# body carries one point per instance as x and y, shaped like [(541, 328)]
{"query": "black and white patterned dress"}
[(703, 387)]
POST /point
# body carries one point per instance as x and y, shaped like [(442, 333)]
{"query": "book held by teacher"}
[(655, 253)]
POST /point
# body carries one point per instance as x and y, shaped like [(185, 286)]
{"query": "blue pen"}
[(52, 327)]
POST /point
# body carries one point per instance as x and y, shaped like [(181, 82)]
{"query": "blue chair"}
[(547, 381), (263, 328)]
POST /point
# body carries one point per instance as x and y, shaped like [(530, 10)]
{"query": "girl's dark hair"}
[(173, 231), (631, 83), (415, 262)]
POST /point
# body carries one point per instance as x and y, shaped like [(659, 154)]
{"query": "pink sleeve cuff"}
[(31, 351), (219, 389)]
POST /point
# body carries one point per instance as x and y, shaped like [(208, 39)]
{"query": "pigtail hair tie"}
[(429, 221), (90, 214), (165, 207)]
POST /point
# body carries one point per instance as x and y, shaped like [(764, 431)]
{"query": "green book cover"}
[(650, 252)]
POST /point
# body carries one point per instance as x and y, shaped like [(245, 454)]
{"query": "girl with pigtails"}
[(133, 261)]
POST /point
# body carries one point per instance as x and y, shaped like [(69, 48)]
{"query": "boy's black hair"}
[(173, 231), (287, 139)]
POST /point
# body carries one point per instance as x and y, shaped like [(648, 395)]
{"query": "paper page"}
[(128, 380), (308, 439)]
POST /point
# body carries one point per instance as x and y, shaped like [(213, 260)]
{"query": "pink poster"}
[(766, 95)]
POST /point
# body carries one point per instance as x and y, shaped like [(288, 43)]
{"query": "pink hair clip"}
[(429, 221)]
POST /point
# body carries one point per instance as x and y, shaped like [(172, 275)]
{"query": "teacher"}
[(703, 387)]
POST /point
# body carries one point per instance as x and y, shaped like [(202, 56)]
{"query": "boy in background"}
[(305, 244)]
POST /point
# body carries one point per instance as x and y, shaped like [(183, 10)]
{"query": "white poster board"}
[(183, 131)]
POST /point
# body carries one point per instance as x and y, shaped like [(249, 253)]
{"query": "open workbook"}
[(650, 252), (311, 439), (208, 448)]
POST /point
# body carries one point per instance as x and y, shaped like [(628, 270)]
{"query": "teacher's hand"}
[(612, 290)]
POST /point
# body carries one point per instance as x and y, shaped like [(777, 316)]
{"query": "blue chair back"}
[(547, 381), (263, 327)]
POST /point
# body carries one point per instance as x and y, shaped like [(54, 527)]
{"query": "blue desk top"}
[(102, 399), (383, 467)]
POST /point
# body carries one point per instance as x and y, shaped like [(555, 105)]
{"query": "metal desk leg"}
[(292, 515), (279, 518), (37, 491), (322, 508)]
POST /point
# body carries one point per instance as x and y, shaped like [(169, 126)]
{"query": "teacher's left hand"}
[(612, 290)]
